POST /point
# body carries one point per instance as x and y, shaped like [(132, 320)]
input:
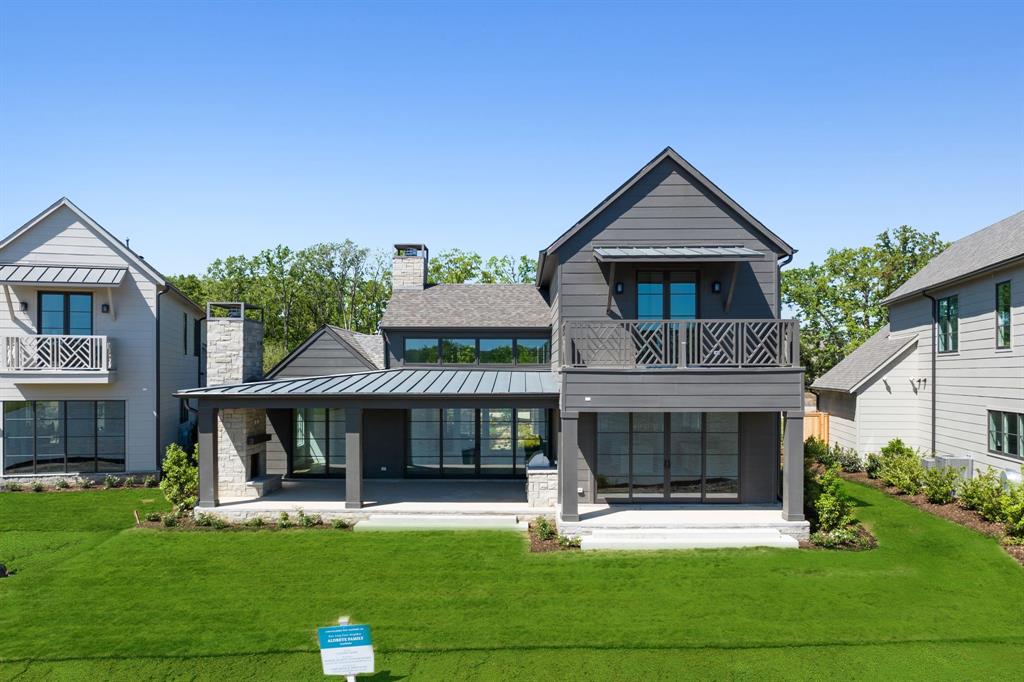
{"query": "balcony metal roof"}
[(676, 253), (395, 383), (61, 275)]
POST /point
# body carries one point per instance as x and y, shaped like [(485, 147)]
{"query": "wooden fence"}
[(816, 424)]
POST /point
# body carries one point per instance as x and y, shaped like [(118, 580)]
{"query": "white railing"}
[(680, 343), (56, 353)]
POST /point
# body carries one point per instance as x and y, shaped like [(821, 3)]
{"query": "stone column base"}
[(542, 488)]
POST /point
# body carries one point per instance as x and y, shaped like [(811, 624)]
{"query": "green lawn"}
[(95, 598)]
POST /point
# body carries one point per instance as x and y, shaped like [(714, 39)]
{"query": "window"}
[(197, 332), (424, 442), (458, 351), (666, 295), (184, 333), (533, 351), (183, 410), (948, 324), (496, 352), (319, 445), (65, 314), (56, 436), (1006, 433), (1003, 315), (421, 351)]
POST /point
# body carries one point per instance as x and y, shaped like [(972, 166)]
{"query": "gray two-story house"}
[(648, 364)]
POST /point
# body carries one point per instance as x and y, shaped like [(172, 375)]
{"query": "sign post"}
[(346, 649)]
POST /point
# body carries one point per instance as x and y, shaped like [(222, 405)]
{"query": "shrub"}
[(568, 542), (816, 449), (837, 537), (545, 531), (339, 524), (180, 481), (309, 521), (62, 483), (205, 520), (255, 522), (169, 520), (153, 516), (219, 523), (284, 521), (1013, 511), (848, 459), (129, 481), (832, 508), (901, 468), (982, 494), (812, 488), (38, 487), (112, 481), (14, 487), (150, 481), (874, 465), (939, 484), (87, 483)]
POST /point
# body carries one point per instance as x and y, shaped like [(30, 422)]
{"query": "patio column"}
[(793, 467), (353, 458), (568, 463), (207, 430)]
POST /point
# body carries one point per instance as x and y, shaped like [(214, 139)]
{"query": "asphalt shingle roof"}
[(370, 346), (994, 244), (863, 362), (469, 306)]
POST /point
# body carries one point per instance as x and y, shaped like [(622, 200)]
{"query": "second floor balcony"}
[(57, 358), (680, 344)]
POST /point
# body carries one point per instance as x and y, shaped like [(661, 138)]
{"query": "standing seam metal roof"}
[(677, 252), (29, 273)]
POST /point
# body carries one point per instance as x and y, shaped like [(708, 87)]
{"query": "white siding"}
[(842, 425), (179, 367), (888, 406), (62, 238)]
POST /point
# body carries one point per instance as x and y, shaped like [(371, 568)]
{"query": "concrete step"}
[(386, 522), (685, 538)]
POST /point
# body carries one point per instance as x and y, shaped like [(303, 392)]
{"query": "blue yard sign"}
[(346, 649)]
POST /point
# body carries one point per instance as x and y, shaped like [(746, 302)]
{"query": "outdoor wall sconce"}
[(619, 288), (22, 306), (104, 307), (716, 287)]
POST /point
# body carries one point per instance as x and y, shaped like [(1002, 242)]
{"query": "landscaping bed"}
[(544, 537)]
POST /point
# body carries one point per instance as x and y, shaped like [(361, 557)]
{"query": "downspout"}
[(156, 398), (935, 341)]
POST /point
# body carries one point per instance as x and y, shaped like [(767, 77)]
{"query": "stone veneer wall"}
[(408, 272), (542, 488), (234, 350), (233, 452)]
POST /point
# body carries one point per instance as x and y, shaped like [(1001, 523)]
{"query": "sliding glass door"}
[(319, 445), (668, 457)]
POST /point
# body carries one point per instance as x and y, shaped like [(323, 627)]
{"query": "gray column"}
[(208, 474), (353, 458), (568, 464), (793, 467)]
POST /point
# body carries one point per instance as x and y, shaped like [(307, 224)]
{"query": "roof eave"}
[(893, 298)]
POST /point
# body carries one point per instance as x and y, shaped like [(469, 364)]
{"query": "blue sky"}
[(201, 130)]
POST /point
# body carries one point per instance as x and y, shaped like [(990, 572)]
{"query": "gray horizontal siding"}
[(324, 355), (691, 391)]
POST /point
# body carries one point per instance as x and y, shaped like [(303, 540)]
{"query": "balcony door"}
[(666, 295), (65, 313)]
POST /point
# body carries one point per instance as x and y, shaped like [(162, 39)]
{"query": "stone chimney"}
[(234, 343), (409, 266)]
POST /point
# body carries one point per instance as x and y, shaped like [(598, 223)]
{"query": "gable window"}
[(421, 351), (65, 314), (533, 351), (184, 333), (196, 334), (949, 324), (1003, 315), (496, 352), (458, 351), (1006, 433)]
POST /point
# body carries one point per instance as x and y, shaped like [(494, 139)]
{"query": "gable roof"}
[(471, 306), (368, 348), (864, 363), (700, 179), (110, 240), (988, 248)]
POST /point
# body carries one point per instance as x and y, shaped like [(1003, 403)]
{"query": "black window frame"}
[(184, 333), (327, 443), (197, 331), (1005, 417), (1009, 315), (67, 311), (64, 436), (952, 333), (439, 349)]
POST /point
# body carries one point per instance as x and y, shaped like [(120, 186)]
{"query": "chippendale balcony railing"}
[(52, 353), (675, 344)]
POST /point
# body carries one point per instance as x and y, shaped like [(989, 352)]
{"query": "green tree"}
[(455, 266), (839, 302)]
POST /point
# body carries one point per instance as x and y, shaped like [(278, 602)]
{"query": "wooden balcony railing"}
[(624, 344), (52, 353)]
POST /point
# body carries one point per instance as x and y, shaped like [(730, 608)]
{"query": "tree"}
[(455, 266), (839, 302)]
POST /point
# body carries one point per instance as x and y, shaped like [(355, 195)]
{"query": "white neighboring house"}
[(94, 342), (960, 391)]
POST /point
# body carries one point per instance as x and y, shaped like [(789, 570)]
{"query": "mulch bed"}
[(951, 512), (550, 545)]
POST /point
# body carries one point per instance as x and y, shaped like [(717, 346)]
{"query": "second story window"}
[(949, 324), (476, 351), (458, 351), (1003, 315), (65, 314), (533, 351), (496, 352), (184, 333), (421, 351)]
